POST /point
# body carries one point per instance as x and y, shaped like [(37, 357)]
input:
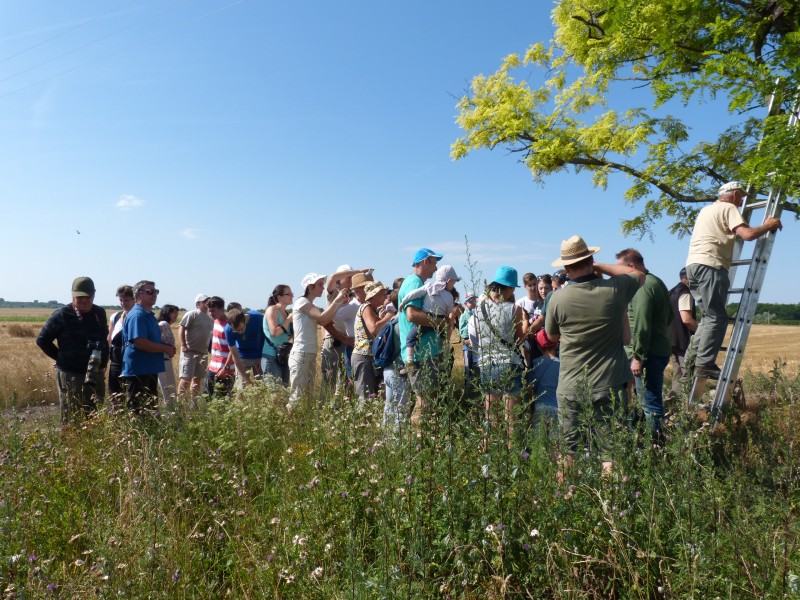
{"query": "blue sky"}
[(225, 146)]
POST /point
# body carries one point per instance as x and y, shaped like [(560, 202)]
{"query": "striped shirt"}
[(220, 350)]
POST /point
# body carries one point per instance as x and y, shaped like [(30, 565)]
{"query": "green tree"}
[(681, 51)]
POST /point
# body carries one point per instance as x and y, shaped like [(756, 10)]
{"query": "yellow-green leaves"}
[(681, 51)]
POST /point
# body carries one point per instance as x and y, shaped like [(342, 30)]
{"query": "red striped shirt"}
[(220, 350)]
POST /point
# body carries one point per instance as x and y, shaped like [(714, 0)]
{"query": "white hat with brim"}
[(574, 250), (311, 279), (730, 187)]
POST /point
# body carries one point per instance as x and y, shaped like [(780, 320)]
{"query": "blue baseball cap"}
[(506, 276), (424, 253)]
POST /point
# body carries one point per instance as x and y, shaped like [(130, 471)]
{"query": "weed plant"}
[(236, 499)]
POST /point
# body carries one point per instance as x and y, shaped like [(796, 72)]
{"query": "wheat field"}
[(27, 375)]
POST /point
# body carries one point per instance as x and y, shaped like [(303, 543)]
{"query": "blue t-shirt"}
[(544, 374), (430, 342), (141, 323), (251, 342)]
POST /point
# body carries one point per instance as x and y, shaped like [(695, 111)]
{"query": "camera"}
[(94, 368)]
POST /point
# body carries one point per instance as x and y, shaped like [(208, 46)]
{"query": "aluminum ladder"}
[(749, 292)]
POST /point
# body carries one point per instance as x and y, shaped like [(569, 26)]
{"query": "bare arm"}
[(686, 318), (749, 234), (372, 322), (419, 317), (613, 270), (520, 324), (237, 361), (182, 338)]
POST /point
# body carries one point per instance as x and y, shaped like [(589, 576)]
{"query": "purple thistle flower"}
[(525, 455), (345, 495), (270, 557), (366, 493), (409, 479), (51, 587), (176, 575)]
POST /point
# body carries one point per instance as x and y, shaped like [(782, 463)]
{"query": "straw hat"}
[(373, 288), (574, 250), (360, 280)]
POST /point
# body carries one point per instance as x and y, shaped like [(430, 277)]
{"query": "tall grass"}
[(237, 499)]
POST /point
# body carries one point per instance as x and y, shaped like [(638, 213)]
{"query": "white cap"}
[(200, 298), (730, 186), (310, 279)]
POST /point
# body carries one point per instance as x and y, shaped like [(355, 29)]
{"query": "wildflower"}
[(275, 521), (270, 557), (32, 558), (289, 450), (51, 587), (366, 493), (15, 558), (328, 547), (526, 547), (525, 455), (489, 528), (176, 575), (78, 562), (638, 495), (409, 479), (317, 464), (501, 527), (316, 573), (534, 533), (345, 495)]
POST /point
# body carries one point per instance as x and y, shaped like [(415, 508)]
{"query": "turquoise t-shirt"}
[(430, 343)]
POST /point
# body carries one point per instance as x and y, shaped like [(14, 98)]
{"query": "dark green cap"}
[(83, 286)]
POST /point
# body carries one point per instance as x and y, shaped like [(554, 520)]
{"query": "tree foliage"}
[(730, 52)]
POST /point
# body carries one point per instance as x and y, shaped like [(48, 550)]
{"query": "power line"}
[(121, 50), (95, 41), (66, 31)]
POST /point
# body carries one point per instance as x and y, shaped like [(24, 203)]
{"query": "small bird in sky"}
[(77, 231)]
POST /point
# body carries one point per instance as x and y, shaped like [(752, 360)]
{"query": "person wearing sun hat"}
[(710, 258), (497, 329), (587, 318), (367, 325), (430, 350), (306, 317), (336, 341)]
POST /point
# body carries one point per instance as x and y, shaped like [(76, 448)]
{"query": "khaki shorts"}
[(193, 364)]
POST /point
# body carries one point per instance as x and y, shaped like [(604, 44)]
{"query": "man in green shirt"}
[(587, 317), (650, 313)]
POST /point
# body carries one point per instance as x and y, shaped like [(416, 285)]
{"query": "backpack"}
[(386, 345)]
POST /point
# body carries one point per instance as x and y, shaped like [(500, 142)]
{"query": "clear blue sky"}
[(224, 147)]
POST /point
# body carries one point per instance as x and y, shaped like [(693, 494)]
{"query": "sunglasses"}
[(151, 291)]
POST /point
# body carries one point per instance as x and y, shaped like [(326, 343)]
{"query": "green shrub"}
[(236, 498)]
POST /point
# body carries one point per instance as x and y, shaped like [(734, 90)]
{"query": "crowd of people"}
[(588, 338)]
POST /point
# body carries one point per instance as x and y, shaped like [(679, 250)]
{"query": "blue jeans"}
[(650, 389), (395, 410), (270, 366)]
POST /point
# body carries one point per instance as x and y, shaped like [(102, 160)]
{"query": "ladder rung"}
[(755, 205), (736, 291), (743, 261)]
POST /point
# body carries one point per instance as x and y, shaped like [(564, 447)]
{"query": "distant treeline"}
[(773, 314), (35, 304)]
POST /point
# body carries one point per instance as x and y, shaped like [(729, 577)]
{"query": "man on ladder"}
[(710, 257)]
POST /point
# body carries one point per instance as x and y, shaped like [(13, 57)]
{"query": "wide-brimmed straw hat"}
[(360, 280), (373, 288), (574, 250)]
